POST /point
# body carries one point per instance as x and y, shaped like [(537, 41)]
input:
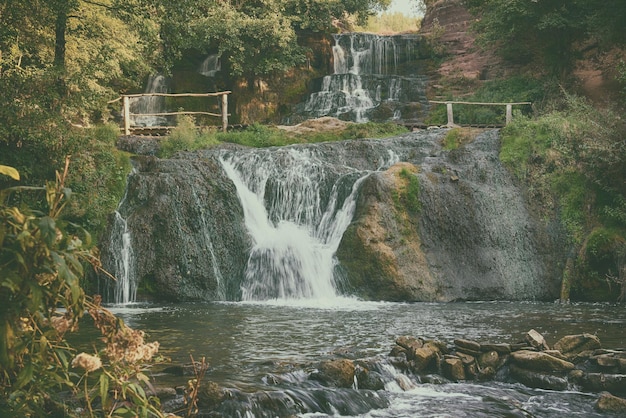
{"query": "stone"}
[(540, 361), (424, 358), (606, 360), (536, 340), (467, 344), (489, 359), (368, 379), (610, 403), (599, 382), (538, 380), (339, 373), (572, 345), (471, 370), (409, 343), (452, 368), (163, 392), (556, 353), (498, 348), (398, 351), (210, 395), (466, 358)]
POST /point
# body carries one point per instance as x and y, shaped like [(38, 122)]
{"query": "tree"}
[(525, 30), (548, 31)]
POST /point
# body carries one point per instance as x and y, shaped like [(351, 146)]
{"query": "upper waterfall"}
[(375, 77), (148, 105)]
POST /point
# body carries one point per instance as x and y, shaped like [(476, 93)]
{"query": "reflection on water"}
[(246, 342)]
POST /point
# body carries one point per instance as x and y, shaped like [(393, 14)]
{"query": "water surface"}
[(272, 346)]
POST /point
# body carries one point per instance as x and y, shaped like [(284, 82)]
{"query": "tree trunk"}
[(60, 27)]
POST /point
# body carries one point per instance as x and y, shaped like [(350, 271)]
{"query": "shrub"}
[(43, 259)]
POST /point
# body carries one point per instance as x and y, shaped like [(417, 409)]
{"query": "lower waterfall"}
[(295, 229)]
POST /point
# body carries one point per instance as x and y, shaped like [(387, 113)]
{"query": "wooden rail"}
[(509, 108), (126, 115)]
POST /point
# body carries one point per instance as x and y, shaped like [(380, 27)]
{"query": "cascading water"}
[(122, 263), (375, 78), (150, 104), (296, 211), (210, 66)]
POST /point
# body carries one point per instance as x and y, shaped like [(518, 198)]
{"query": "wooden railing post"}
[(450, 114), (509, 113), (224, 112), (126, 115)]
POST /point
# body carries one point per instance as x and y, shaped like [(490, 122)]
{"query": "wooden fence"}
[(126, 115), (509, 109)]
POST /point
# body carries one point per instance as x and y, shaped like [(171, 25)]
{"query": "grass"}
[(186, 136)]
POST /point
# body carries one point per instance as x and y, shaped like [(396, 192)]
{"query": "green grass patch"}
[(186, 136)]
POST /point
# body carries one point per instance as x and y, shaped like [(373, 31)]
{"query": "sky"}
[(408, 7)]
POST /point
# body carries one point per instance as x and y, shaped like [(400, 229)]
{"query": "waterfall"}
[(125, 289), (122, 258), (369, 72), (150, 104), (296, 212), (210, 66)]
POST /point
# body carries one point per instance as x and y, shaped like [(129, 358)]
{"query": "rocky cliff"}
[(428, 224)]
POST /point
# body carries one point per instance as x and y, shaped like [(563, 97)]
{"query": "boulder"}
[(452, 368), (498, 348), (210, 395), (338, 373), (467, 344), (489, 359), (424, 358), (572, 345), (540, 361), (536, 340), (409, 343), (599, 382), (538, 380), (368, 379), (609, 403)]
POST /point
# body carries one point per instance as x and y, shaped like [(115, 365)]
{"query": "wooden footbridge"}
[(450, 110), (128, 117), (129, 128)]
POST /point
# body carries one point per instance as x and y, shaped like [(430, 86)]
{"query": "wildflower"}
[(87, 362), (61, 324)]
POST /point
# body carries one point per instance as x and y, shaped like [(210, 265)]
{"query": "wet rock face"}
[(429, 224), (472, 237), (186, 227)]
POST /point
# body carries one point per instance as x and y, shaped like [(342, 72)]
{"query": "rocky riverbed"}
[(343, 385)]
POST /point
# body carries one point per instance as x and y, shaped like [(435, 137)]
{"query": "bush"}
[(43, 261)]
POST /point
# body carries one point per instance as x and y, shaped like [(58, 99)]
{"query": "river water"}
[(268, 350)]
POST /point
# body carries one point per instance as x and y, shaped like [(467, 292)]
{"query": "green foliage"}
[(410, 195), (523, 142), (514, 89), (547, 32), (386, 23), (452, 139), (186, 137), (98, 178), (43, 259), (257, 135), (524, 30), (573, 159)]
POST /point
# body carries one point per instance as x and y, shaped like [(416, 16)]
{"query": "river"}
[(271, 348)]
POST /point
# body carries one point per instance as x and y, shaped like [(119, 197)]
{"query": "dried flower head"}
[(61, 324), (87, 362)]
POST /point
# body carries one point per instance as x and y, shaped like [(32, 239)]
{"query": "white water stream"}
[(125, 288), (295, 230)]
